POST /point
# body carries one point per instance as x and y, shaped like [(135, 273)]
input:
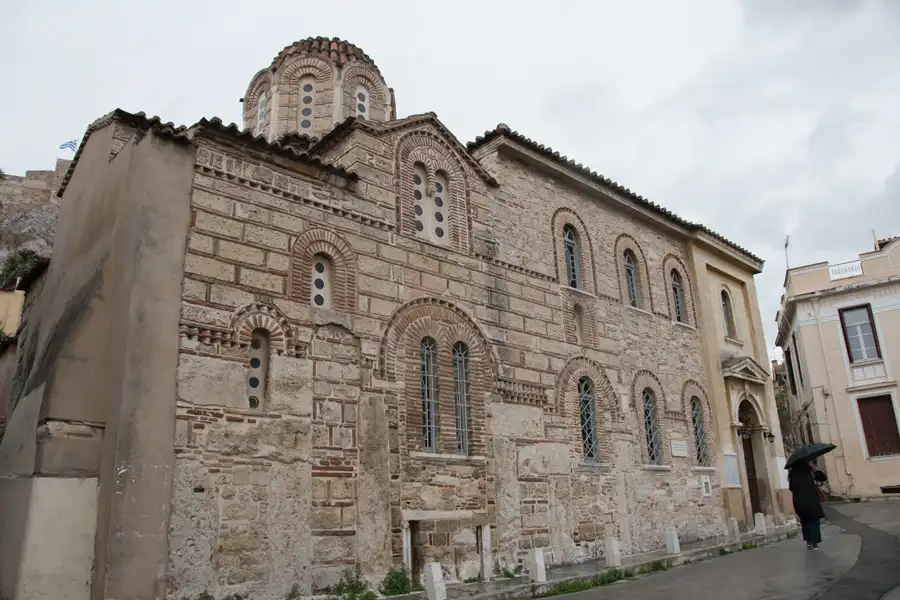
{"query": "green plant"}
[(204, 595), (723, 551), (18, 264), (749, 546), (294, 594), (473, 579), (396, 583), (352, 587), (606, 578)]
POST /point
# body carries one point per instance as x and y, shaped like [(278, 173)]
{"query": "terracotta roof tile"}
[(336, 49), (285, 146), (504, 130), (881, 244)]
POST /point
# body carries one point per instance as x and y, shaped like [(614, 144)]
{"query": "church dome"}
[(314, 84)]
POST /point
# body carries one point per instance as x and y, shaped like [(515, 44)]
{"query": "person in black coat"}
[(807, 503)]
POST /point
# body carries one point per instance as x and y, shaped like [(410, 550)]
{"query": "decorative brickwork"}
[(646, 380), (579, 318), (319, 240), (670, 263), (693, 389), (645, 299), (360, 75), (263, 316), (565, 217), (432, 151)]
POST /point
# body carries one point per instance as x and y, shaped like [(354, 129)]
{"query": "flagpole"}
[(787, 262)]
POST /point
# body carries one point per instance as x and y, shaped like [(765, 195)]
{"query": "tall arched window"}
[(728, 314), (677, 296), (699, 431), (631, 279), (588, 413), (362, 102), (258, 368), (429, 378), (573, 260), (441, 193), (320, 281), (578, 318), (307, 104), (261, 114), (461, 393), (651, 427)]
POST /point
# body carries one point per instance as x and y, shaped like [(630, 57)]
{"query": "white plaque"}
[(732, 473), (845, 270), (782, 472), (679, 448)]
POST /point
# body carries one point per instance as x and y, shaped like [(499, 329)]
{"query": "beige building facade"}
[(839, 328), (334, 338)]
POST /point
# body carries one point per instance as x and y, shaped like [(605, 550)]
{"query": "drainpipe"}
[(839, 453)]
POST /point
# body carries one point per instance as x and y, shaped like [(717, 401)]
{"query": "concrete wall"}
[(56, 517)]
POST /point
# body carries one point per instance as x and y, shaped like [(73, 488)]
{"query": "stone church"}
[(333, 337)]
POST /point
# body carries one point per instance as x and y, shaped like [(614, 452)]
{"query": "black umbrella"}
[(807, 453)]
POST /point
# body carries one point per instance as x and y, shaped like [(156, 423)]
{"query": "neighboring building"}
[(839, 328), (28, 210), (344, 339)]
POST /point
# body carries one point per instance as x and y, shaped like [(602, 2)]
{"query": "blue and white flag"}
[(71, 145)]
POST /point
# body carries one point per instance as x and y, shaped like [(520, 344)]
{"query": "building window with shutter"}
[(860, 336), (879, 423), (797, 357)]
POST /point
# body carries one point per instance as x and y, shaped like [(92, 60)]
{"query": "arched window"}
[(588, 412), (261, 114), (430, 209), (429, 377), (259, 367), (461, 393), (307, 104), (728, 314), (651, 427), (578, 318), (631, 279), (362, 102), (320, 278), (677, 296), (573, 261), (699, 431)]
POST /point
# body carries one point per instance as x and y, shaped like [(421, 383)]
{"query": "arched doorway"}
[(751, 435)]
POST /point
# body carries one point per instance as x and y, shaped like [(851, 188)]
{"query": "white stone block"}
[(534, 560), (759, 521), (611, 552), (734, 531), (672, 545), (435, 588)]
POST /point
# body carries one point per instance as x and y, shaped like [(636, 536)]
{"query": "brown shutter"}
[(879, 425)]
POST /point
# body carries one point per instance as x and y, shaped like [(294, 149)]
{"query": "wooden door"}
[(752, 483)]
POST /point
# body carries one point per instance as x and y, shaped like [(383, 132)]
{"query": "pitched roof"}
[(882, 244), (283, 146), (504, 130), (345, 127)]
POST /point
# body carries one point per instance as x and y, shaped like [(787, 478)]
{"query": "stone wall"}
[(28, 209), (328, 470)]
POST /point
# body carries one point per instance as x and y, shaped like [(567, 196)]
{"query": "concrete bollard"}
[(435, 588), (734, 531), (611, 552), (759, 522), (534, 560), (672, 545)]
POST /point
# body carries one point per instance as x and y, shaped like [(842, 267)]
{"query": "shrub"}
[(352, 587), (396, 583)]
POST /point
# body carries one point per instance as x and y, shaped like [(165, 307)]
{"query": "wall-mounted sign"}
[(679, 448), (845, 270)]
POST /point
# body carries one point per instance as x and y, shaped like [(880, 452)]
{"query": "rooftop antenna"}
[(787, 241)]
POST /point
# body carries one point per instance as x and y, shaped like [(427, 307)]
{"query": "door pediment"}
[(745, 368)]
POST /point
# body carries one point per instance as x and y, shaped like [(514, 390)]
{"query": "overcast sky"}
[(757, 118)]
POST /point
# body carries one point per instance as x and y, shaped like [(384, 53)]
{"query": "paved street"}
[(859, 560)]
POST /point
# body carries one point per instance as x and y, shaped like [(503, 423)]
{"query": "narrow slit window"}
[(430, 206), (588, 414), (306, 105), (699, 425), (572, 258), (677, 296), (728, 315), (461, 392), (578, 318), (362, 102), (258, 368), (631, 280), (320, 281), (261, 114), (429, 392), (651, 427)]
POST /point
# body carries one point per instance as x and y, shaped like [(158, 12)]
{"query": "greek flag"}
[(71, 145)]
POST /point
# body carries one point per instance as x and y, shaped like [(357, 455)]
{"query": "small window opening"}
[(258, 367), (320, 281)]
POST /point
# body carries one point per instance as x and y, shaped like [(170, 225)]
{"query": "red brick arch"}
[(673, 263), (561, 218), (626, 242), (320, 240), (257, 315)]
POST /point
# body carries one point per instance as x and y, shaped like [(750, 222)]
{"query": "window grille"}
[(461, 389), (651, 428), (677, 296), (588, 414), (699, 431), (631, 279), (570, 246), (429, 374)]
